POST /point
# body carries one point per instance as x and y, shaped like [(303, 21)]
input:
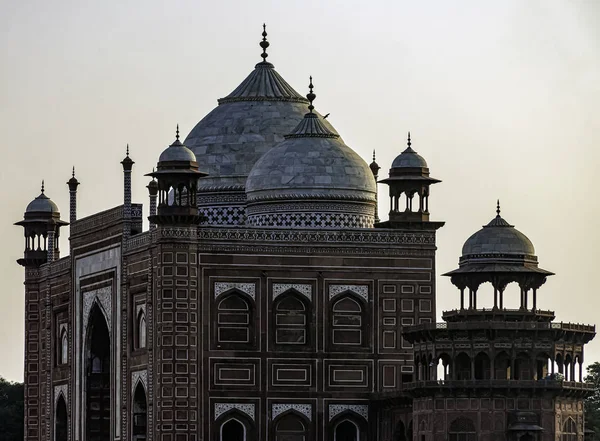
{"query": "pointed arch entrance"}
[(97, 379), (61, 422), (140, 413)]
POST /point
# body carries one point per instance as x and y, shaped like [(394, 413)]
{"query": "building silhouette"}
[(267, 301)]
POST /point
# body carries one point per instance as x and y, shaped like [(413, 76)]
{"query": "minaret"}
[(153, 192), (72, 183), (127, 166), (375, 169)]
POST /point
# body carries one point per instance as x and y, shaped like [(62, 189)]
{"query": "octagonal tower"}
[(498, 374)]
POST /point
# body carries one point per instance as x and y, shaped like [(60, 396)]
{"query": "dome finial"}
[(498, 208), (311, 96), (408, 143), (127, 151), (373, 155), (177, 133), (264, 43), (42, 186), (73, 175)]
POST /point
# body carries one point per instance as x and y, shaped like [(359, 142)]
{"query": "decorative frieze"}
[(359, 409), (279, 408), (361, 290), (303, 288), (246, 288), (221, 408)]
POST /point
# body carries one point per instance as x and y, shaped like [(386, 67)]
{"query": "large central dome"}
[(244, 126)]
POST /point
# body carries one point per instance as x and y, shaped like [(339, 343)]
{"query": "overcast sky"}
[(501, 98)]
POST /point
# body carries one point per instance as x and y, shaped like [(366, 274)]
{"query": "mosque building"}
[(267, 301)]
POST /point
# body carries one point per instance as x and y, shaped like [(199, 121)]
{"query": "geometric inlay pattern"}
[(304, 409), (58, 390), (141, 376), (304, 289), (361, 290), (104, 297), (246, 288), (360, 409), (221, 408)]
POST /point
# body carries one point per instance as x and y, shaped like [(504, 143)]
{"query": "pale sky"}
[(501, 98)]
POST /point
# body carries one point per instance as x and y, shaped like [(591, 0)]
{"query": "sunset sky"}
[(501, 98)]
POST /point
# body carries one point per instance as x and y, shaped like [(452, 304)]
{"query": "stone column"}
[(127, 166), (73, 183)]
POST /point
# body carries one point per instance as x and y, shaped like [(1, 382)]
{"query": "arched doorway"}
[(140, 414), (291, 427), (97, 422), (400, 432), (61, 424), (233, 430), (346, 431)]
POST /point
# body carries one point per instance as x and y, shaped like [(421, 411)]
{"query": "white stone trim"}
[(279, 408), (361, 290), (221, 408), (139, 376), (103, 297), (359, 409), (61, 389), (246, 288), (303, 288), (140, 307)]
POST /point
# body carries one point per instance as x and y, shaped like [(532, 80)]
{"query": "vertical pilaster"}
[(152, 191), (50, 246), (32, 377)]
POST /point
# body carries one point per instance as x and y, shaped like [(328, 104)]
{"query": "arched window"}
[(346, 431), (64, 347), (60, 424), (482, 366), (569, 432), (400, 432), (234, 320), (291, 321), (140, 414), (232, 430), (348, 322), (141, 330), (463, 366), (462, 429), (290, 428)]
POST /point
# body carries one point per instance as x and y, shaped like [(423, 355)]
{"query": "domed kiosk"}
[(41, 223), (245, 125), (499, 254), (311, 180)]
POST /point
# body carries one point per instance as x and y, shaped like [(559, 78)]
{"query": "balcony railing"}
[(517, 384), (502, 325)]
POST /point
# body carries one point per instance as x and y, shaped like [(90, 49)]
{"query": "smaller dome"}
[(409, 158), (42, 204), (498, 237), (177, 152)]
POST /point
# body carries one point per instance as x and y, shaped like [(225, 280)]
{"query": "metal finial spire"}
[(264, 43), (42, 186), (409, 143), (73, 175), (127, 149), (177, 133), (373, 155), (311, 96), (498, 208)]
